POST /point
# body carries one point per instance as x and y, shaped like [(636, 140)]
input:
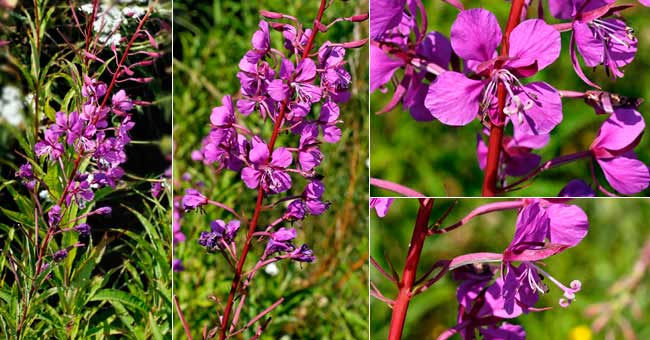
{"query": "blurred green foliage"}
[(327, 299), (440, 160), (618, 230)]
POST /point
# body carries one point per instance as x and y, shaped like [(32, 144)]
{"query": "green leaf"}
[(113, 295)]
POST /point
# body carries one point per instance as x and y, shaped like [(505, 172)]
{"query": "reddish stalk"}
[(496, 131), (553, 163), (182, 317), (123, 59), (420, 233), (237, 279)]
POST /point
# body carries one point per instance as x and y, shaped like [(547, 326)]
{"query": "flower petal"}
[(306, 71), (620, 130), (590, 48), (331, 133), (414, 100), (475, 34), (532, 225), (384, 15), (577, 188), (435, 48), (569, 224), (626, 173), (281, 158), (381, 205), (533, 41), (545, 113), (561, 9), (278, 90), (251, 177), (453, 99), (382, 67), (280, 182), (259, 153)]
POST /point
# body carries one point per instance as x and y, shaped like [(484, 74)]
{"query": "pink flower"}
[(267, 171)]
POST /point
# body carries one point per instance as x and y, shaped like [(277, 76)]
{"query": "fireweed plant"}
[(480, 75), (295, 92), (493, 288), (80, 77)]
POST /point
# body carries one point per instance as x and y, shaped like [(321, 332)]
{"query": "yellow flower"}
[(581, 332)]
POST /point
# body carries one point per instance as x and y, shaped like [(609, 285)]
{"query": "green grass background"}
[(618, 229), (324, 300), (440, 160)]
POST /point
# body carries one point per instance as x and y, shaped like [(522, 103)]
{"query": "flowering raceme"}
[(477, 75), (297, 91), (83, 151)]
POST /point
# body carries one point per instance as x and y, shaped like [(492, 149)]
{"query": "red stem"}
[(410, 270), (496, 131), (236, 281), (182, 317), (123, 59)]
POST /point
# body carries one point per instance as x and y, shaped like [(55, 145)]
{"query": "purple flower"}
[(223, 116), (261, 42), (430, 50), (223, 145), (312, 198), (300, 80), (80, 190), (226, 230), (577, 188), (109, 151), (435, 48), (220, 235), (103, 210), (254, 84), (612, 149), (25, 171), (92, 88), (107, 177), (269, 173), (295, 211), (303, 254), (335, 79), (177, 265), (381, 205), (95, 117), (564, 226), (157, 188), (60, 255), (600, 41), (83, 229), (193, 199), (385, 15), (69, 125), (310, 202), (50, 145), (382, 67), (309, 154), (479, 307), (517, 153), (535, 108), (54, 215), (122, 104), (504, 332), (281, 241), (327, 121)]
